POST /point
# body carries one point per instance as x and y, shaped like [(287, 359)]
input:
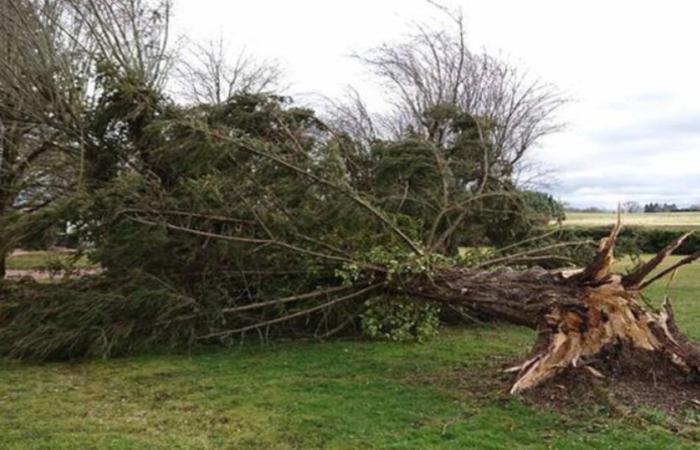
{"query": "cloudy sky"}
[(631, 69)]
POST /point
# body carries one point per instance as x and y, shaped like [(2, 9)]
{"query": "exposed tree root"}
[(612, 316), (633, 378), (609, 315), (580, 315)]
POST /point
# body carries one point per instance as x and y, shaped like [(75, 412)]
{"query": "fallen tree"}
[(252, 216), (580, 315), (590, 319), (265, 230)]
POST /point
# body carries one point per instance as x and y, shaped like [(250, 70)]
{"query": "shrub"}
[(642, 239), (399, 320)]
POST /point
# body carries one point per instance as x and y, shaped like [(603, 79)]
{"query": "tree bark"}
[(3, 265), (579, 314)]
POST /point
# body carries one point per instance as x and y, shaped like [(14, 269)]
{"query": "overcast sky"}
[(631, 68)]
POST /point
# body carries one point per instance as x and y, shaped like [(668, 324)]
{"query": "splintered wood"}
[(610, 315), (579, 314)]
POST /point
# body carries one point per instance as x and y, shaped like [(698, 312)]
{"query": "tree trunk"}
[(3, 265), (579, 315), (4, 251)]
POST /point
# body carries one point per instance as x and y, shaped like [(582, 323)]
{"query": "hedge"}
[(643, 239)]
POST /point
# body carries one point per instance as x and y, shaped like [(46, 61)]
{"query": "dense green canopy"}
[(253, 214)]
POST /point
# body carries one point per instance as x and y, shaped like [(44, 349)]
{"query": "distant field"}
[(656, 220)]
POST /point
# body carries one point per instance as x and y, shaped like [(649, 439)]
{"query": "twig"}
[(636, 277), (521, 255), (292, 298), (663, 273), (292, 316)]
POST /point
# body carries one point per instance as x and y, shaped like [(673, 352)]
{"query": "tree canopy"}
[(241, 210)]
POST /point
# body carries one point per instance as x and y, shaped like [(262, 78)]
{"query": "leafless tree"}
[(632, 207), (480, 114), (41, 97), (352, 115), (435, 69), (133, 35), (205, 74), (51, 55)]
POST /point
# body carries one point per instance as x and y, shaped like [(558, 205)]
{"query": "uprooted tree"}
[(250, 215)]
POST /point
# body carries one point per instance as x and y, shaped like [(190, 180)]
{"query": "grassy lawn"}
[(446, 393), (656, 220), (42, 260)]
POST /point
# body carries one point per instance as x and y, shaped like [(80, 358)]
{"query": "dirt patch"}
[(633, 379)]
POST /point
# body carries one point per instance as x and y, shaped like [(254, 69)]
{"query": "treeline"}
[(666, 207), (635, 207)]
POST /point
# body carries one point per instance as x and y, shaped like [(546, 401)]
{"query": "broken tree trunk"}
[(578, 314)]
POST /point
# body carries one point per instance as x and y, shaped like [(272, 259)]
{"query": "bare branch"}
[(295, 315), (206, 76), (687, 260), (636, 277)]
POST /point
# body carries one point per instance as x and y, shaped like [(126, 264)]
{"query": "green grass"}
[(656, 220), (684, 292), (338, 395), (42, 260)]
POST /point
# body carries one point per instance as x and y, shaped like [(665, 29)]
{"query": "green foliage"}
[(406, 177), (228, 206), (399, 319), (33, 230), (210, 223), (544, 207), (93, 318)]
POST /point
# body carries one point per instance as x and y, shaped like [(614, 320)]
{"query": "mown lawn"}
[(446, 393)]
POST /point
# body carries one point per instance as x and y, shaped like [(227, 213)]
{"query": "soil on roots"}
[(633, 378)]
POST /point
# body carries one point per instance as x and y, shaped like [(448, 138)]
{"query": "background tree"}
[(632, 207), (43, 96), (657, 207), (469, 118), (65, 65), (206, 76)]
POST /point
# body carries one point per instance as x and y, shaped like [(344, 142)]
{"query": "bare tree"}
[(632, 207), (205, 74), (42, 95), (353, 116), (434, 72), (133, 36), (479, 114), (53, 55)]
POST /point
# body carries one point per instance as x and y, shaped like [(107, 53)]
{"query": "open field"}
[(655, 220), (446, 393)]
